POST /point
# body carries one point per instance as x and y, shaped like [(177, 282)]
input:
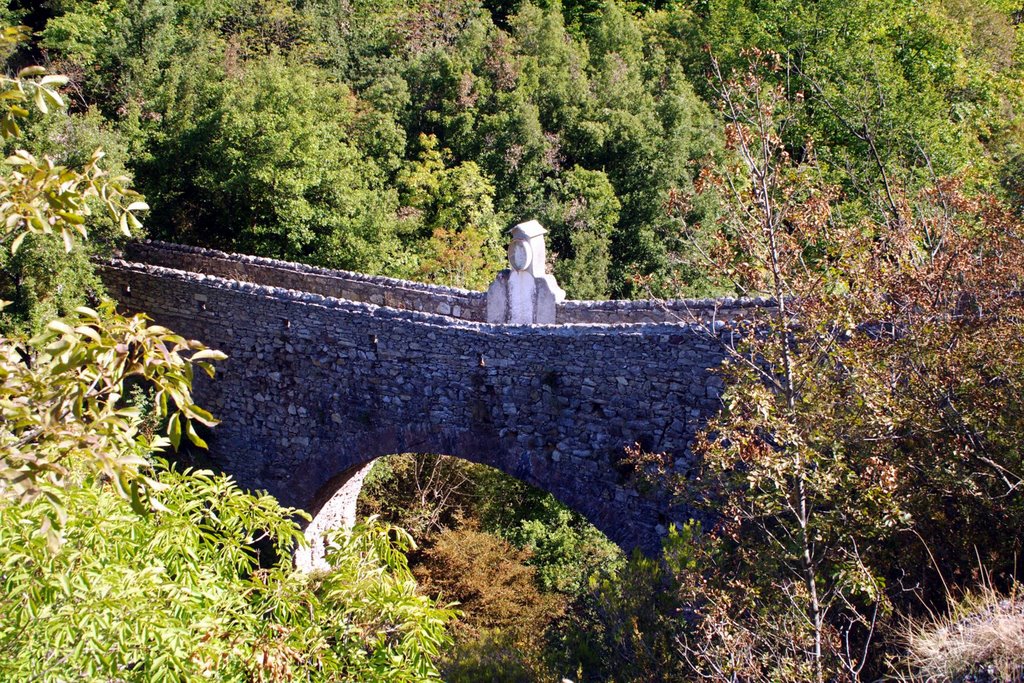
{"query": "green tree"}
[(61, 391), (564, 547), (896, 87), (183, 594), (581, 217), (451, 209), (537, 106), (626, 625), (42, 279), (421, 492), (855, 418), (160, 575), (263, 176), (506, 615)]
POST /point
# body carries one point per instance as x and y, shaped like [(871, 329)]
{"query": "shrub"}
[(501, 635), (980, 639)]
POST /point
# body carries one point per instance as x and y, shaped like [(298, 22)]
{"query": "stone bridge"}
[(328, 370)]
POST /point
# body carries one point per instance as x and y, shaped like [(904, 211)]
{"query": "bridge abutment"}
[(337, 511)]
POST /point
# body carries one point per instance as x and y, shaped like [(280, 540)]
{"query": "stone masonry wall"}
[(658, 311), (315, 388)]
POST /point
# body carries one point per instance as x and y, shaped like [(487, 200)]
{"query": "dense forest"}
[(860, 162)]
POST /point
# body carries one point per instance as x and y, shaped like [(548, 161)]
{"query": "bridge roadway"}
[(321, 380)]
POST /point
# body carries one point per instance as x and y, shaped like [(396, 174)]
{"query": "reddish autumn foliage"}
[(870, 437)]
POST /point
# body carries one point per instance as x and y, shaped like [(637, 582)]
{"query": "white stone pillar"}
[(339, 512), (524, 294)]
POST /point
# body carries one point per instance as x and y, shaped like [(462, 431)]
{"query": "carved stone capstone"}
[(524, 294)]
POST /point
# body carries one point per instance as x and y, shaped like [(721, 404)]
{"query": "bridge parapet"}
[(451, 302), (656, 311)]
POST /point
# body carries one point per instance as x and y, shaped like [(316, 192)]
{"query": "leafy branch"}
[(62, 395)]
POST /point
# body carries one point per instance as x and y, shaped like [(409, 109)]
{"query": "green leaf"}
[(54, 97), (88, 331), (40, 101), (174, 429), (136, 501), (87, 312), (60, 326), (74, 218), (209, 354), (16, 243), (195, 438)]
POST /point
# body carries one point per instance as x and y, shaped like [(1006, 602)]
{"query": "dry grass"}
[(982, 639)]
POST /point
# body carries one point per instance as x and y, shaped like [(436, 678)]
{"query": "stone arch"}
[(329, 491), (335, 506)]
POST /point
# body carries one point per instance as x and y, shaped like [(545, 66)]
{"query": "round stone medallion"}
[(520, 254)]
